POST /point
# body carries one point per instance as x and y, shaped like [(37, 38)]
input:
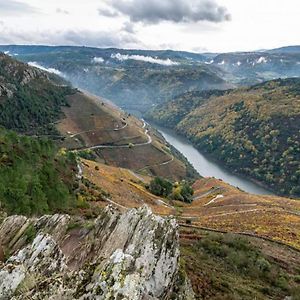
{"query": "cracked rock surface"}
[(132, 255)]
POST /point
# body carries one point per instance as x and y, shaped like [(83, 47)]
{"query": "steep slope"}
[(231, 243), (39, 103), (229, 266), (118, 139), (35, 177), (216, 204), (254, 131), (30, 99)]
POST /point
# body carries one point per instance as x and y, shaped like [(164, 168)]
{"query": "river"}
[(207, 167)]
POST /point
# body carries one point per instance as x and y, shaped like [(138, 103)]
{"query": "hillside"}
[(30, 99), (90, 165), (248, 68), (215, 205), (35, 102), (35, 177), (92, 125), (133, 79), (230, 241), (253, 131), (137, 79)]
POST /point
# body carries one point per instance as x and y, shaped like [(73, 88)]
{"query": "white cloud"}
[(262, 60), (98, 60), (50, 70), (149, 59), (74, 37), (13, 8), (62, 11), (266, 26)]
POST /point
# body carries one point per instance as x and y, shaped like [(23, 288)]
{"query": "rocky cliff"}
[(131, 255)]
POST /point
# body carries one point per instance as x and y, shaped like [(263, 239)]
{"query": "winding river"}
[(205, 166)]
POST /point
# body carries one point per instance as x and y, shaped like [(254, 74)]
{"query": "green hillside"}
[(254, 131), (35, 177), (30, 99)]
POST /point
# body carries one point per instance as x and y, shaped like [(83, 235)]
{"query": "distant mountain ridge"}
[(133, 79), (137, 79)]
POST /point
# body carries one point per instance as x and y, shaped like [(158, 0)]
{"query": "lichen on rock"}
[(132, 255)]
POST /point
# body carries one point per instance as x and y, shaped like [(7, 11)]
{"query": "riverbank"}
[(209, 167)]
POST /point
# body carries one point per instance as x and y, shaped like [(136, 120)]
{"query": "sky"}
[(190, 25)]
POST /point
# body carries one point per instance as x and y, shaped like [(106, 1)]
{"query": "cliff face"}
[(133, 255)]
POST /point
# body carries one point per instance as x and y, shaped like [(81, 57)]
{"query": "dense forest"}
[(30, 99), (254, 131), (35, 177)]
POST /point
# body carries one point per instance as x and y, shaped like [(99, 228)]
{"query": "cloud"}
[(107, 12), (98, 60), (177, 11), (129, 27), (149, 59), (50, 70), (62, 11), (115, 39), (12, 8), (99, 39)]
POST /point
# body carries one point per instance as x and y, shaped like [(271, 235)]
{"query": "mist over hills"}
[(139, 79)]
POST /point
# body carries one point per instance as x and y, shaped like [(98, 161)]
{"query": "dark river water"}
[(207, 167)]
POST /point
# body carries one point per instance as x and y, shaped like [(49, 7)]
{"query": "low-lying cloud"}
[(50, 70), (149, 59), (177, 11), (98, 60)]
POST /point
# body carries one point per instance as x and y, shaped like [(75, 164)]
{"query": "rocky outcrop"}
[(133, 256), (14, 74)]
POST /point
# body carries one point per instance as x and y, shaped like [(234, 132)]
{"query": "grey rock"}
[(132, 255)]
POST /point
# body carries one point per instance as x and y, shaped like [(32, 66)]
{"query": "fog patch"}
[(50, 70), (149, 59), (97, 60)]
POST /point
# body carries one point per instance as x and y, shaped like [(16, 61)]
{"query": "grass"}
[(231, 267)]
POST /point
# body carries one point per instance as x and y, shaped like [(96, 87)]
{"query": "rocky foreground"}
[(134, 255)]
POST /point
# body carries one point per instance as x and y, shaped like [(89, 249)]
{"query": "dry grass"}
[(267, 216), (124, 187), (95, 122)]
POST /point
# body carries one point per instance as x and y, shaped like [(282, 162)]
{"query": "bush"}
[(160, 187), (179, 191)]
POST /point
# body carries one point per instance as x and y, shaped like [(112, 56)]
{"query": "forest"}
[(253, 131), (35, 177)]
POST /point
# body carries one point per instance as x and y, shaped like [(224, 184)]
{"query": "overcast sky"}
[(193, 25)]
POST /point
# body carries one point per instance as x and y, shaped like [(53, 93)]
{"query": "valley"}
[(100, 163), (205, 166), (253, 131), (149, 150), (117, 138)]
